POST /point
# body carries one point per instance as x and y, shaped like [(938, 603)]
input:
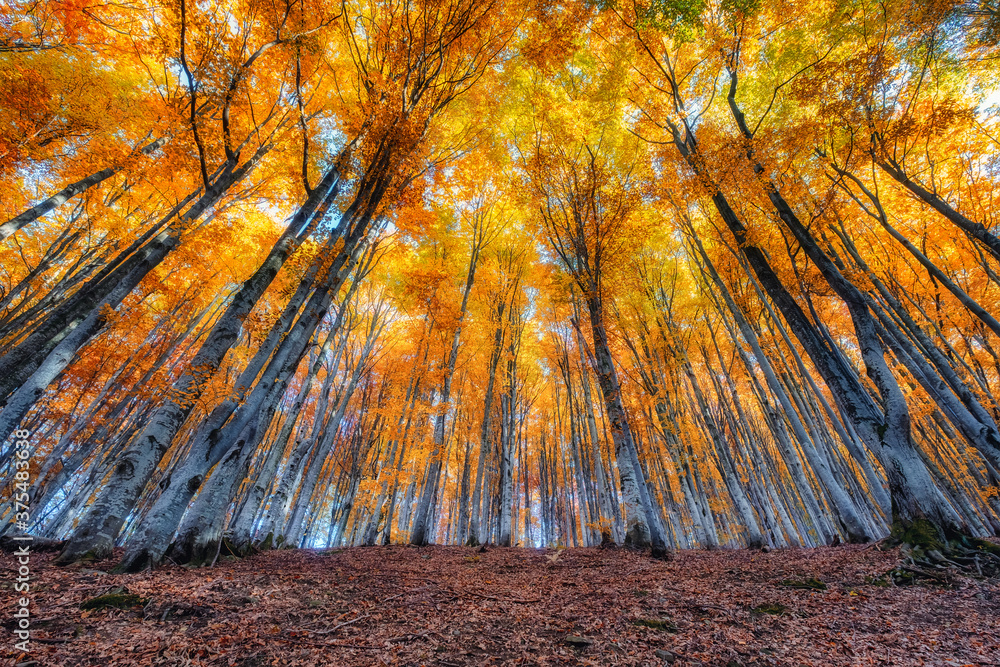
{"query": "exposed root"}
[(945, 566), (931, 554), (10, 543)]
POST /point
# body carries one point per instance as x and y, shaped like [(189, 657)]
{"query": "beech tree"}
[(660, 274)]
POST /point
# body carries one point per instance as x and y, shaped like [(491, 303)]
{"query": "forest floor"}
[(457, 606)]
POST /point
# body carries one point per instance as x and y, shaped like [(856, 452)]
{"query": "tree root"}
[(938, 553), (947, 563)]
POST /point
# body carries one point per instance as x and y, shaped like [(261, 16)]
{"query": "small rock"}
[(574, 640), (765, 549), (666, 656)]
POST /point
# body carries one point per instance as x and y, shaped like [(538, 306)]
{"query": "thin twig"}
[(341, 625)]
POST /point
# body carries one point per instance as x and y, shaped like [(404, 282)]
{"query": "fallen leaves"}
[(385, 606)]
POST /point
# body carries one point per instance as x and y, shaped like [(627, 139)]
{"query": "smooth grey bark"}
[(256, 412), (206, 518), (214, 435), (47, 483), (610, 531), (419, 533), (310, 478), (652, 376), (54, 201), (962, 407), (129, 267), (885, 431), (19, 306), (462, 531), (242, 525), (273, 520), (210, 442), (99, 528), (586, 508), (61, 356), (201, 528), (975, 230), (20, 363), (509, 421), (486, 430), (722, 447), (847, 511), (397, 451), (875, 211), (642, 523)]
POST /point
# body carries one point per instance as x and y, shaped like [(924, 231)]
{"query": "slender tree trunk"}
[(419, 534), (97, 531), (71, 190), (642, 526)]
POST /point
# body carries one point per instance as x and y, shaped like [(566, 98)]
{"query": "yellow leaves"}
[(543, 157), (554, 31), (415, 221)]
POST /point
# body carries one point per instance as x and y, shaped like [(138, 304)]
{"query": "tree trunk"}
[(71, 190), (98, 530)]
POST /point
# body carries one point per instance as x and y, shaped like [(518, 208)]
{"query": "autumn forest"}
[(673, 274)]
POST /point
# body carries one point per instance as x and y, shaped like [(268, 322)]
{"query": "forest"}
[(381, 313), (669, 274)]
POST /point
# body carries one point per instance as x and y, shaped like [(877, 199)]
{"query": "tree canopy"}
[(675, 273)]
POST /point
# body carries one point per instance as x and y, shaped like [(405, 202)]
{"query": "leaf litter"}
[(449, 606)]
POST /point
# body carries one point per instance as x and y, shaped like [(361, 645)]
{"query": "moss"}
[(773, 608), (902, 577), (115, 599), (664, 624), (919, 532), (812, 584), (91, 556), (976, 544), (229, 549), (881, 581)]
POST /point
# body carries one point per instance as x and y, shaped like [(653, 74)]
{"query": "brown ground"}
[(456, 606)]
